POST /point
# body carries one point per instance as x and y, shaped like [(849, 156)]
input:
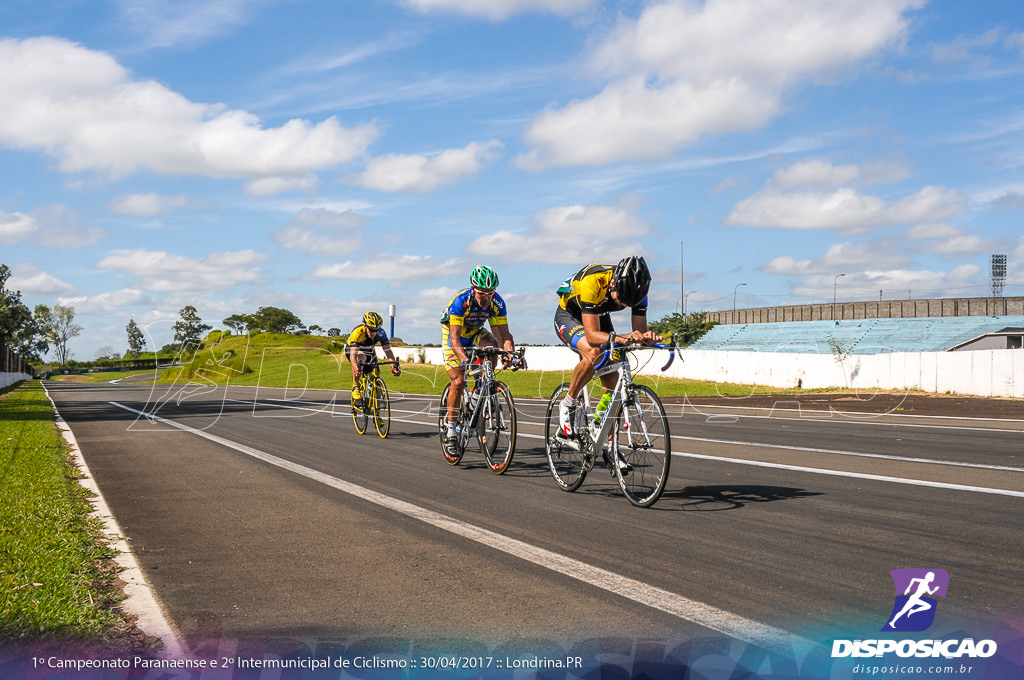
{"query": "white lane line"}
[(857, 454), (727, 623), (856, 475), (819, 471)]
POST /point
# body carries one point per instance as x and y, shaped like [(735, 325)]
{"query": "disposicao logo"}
[(914, 609)]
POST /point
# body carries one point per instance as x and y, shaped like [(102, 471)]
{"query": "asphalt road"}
[(261, 517)]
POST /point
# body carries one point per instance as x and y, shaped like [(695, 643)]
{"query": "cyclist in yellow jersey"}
[(463, 321), (361, 341), (582, 321)]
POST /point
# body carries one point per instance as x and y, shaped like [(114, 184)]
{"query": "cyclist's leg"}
[(457, 377), (355, 357), (571, 332)]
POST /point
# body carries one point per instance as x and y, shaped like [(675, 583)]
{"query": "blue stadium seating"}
[(859, 336)]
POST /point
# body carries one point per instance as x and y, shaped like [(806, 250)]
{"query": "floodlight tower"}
[(998, 274)]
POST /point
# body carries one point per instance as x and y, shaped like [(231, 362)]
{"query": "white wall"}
[(11, 378), (984, 373)]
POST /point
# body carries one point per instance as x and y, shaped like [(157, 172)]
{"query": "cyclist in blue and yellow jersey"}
[(582, 321), (463, 320), (361, 341)]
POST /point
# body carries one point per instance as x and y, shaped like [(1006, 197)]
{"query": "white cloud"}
[(894, 283), (387, 267), (272, 186), (684, 69), (423, 174), (939, 230), (16, 227), (568, 235), (497, 10), (84, 109), (164, 24), (843, 210), (31, 280), (814, 174), (839, 258), (52, 226), (165, 272), (147, 205), (323, 232), (110, 304)]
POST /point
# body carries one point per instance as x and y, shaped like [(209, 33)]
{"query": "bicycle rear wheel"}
[(497, 428), (359, 415), (451, 457), (381, 408), (642, 439), (565, 458)]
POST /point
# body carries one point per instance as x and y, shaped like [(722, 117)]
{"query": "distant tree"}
[(189, 329), (315, 329), (106, 352), (333, 332), (58, 325), (239, 323), (18, 328), (690, 328), (136, 340), (276, 320)]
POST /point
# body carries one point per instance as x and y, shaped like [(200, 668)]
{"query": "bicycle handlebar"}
[(611, 346), (494, 351)]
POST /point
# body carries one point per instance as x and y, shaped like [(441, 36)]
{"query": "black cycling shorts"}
[(569, 328)]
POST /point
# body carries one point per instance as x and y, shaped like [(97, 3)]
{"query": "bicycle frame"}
[(619, 395), (635, 424), (480, 412)]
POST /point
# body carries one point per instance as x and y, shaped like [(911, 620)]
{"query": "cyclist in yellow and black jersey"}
[(583, 322), (361, 342)]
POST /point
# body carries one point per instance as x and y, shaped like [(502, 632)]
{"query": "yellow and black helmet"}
[(373, 320)]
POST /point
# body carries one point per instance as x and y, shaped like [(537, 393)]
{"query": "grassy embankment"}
[(313, 362), (57, 580)]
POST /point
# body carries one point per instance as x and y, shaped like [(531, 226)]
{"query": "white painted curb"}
[(140, 600)]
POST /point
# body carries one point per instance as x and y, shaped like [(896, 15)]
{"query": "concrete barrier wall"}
[(983, 373), (7, 379), (881, 309)]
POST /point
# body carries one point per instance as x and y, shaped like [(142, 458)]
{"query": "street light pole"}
[(834, 283), (734, 297)]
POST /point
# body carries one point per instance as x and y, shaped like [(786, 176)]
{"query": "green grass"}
[(314, 362), (56, 575)]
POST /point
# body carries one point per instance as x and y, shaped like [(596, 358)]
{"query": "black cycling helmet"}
[(632, 280)]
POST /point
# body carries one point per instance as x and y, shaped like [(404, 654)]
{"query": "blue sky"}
[(334, 157)]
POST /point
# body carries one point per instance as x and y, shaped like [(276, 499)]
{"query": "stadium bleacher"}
[(859, 336)]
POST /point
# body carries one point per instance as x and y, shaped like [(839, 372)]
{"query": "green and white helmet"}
[(484, 277)]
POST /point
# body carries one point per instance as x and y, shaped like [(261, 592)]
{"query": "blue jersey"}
[(465, 311)]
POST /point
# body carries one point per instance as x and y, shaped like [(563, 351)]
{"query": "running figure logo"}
[(914, 609)]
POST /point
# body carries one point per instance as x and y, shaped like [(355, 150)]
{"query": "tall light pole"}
[(835, 282), (734, 295)]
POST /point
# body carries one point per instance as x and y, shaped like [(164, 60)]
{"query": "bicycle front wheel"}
[(359, 415), (381, 408), (643, 441), (497, 428), (565, 457), (453, 456)]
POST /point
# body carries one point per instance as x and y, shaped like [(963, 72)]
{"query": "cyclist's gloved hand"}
[(396, 370)]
